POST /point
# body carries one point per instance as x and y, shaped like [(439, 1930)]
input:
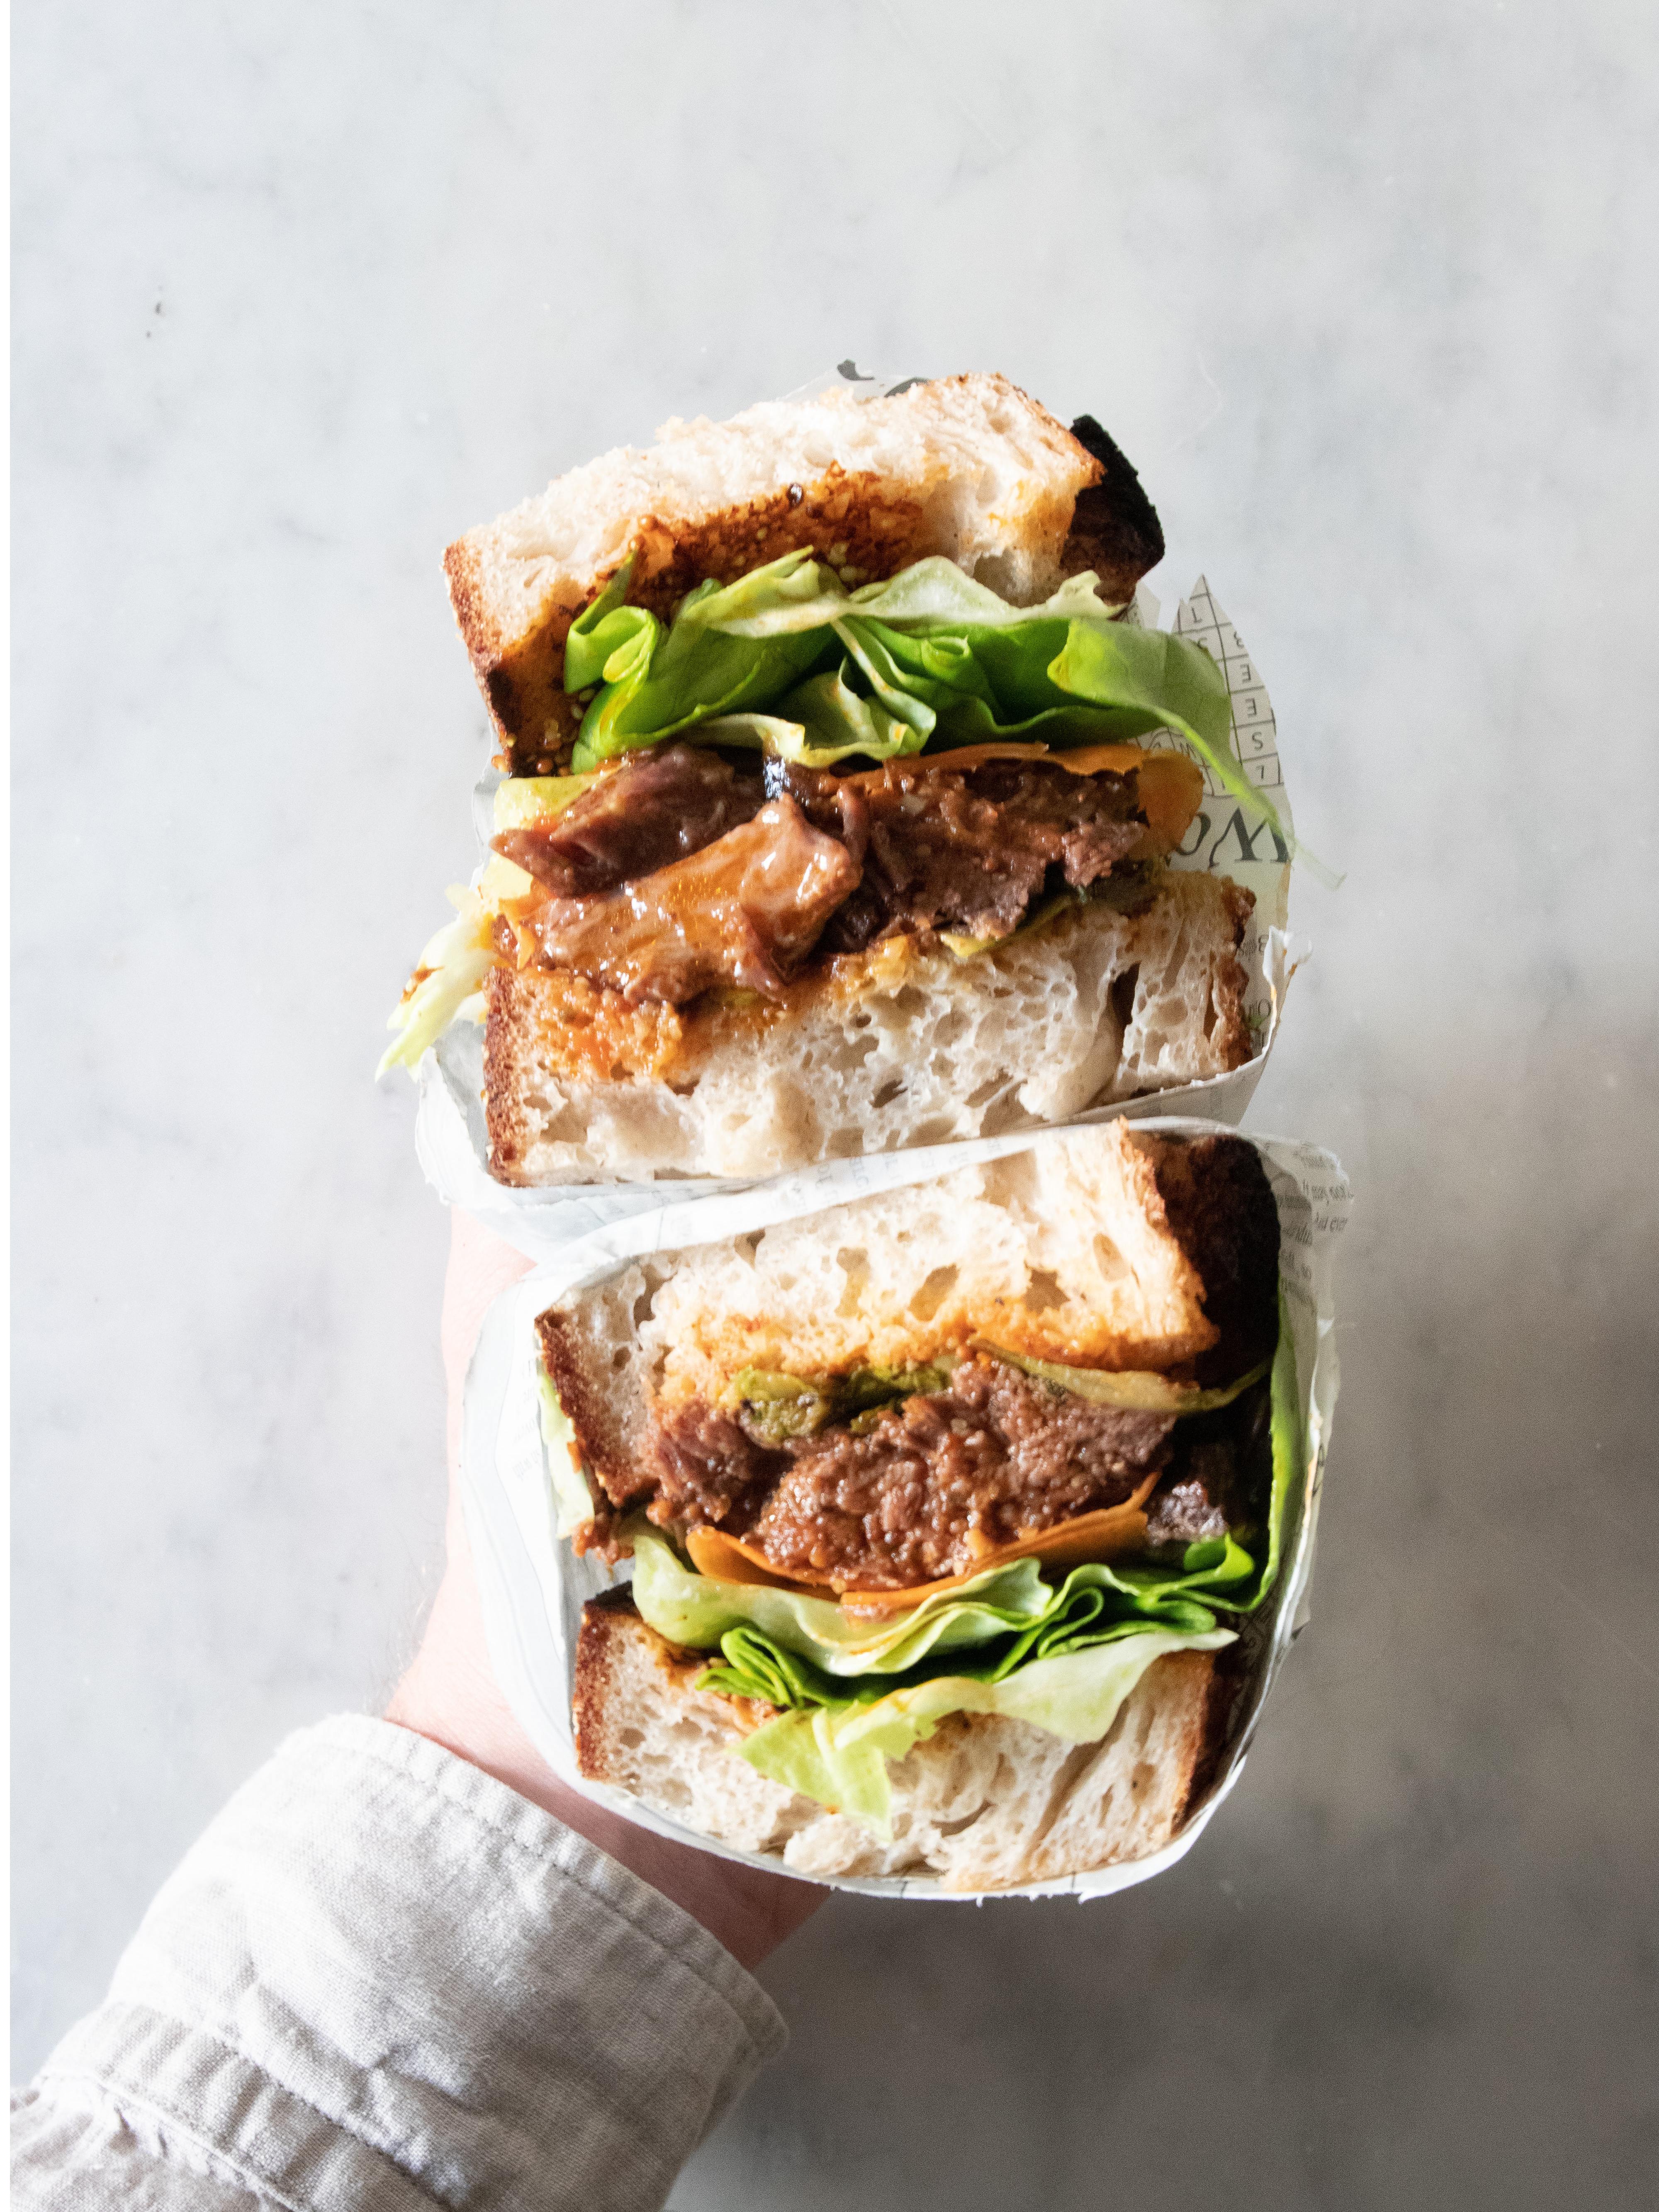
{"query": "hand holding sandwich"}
[(450, 1695), (380, 1968), (843, 805)]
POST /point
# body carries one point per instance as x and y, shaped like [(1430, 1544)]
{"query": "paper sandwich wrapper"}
[(453, 1144), (533, 1587)]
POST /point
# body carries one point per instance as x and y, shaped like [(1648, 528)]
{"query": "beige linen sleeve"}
[(383, 1979)]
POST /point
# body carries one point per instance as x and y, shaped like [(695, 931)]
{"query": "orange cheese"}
[(1172, 785)]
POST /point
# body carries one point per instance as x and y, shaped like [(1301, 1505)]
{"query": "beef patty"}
[(914, 1493)]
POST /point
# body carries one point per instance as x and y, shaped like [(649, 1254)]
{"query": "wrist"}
[(748, 1912), (450, 1696)]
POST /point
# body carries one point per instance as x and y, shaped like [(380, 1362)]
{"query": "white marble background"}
[(304, 290)]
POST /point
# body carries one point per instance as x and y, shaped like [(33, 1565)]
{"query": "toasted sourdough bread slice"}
[(985, 1803), (903, 1045), (1104, 1245), (967, 466)]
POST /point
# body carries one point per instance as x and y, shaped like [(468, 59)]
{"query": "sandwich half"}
[(952, 1511), (836, 796)]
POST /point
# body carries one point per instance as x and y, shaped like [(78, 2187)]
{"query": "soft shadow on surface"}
[(1411, 1963)]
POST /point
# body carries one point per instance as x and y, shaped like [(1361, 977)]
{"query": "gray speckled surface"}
[(301, 292)]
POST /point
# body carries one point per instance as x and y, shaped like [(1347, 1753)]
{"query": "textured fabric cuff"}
[(383, 1977)]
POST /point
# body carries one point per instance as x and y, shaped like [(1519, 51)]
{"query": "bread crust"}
[(984, 1802), (607, 1422), (1115, 530), (520, 672), (1221, 1207)]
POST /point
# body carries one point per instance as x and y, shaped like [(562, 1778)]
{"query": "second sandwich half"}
[(921, 1492)]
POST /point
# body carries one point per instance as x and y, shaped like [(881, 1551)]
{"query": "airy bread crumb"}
[(901, 1047), (984, 1803)]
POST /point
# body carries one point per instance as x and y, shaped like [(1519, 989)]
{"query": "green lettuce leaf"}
[(932, 591), (865, 728), (452, 970), (573, 1501), (1084, 1611), (838, 1755), (696, 1610), (655, 682), (930, 656)]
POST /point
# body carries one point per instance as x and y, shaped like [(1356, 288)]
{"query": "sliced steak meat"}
[(1220, 1474), (1188, 1508), (678, 872), (969, 852), (1094, 819), (710, 1470), (663, 804), (926, 1487), (744, 910)]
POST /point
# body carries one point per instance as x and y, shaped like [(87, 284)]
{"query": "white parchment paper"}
[(450, 1135), (533, 1587)]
